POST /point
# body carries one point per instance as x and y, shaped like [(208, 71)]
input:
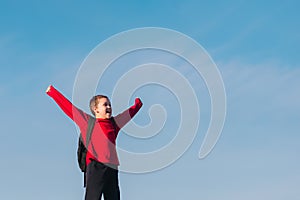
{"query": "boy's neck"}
[(100, 117)]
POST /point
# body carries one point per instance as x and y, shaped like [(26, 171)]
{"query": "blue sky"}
[(255, 46)]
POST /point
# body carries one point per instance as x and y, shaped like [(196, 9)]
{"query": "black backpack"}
[(82, 148)]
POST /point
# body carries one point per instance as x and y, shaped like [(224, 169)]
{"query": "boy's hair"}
[(94, 102)]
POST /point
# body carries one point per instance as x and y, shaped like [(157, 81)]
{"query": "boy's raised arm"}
[(123, 118), (77, 115)]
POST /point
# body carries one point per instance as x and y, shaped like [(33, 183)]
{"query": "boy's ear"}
[(95, 109)]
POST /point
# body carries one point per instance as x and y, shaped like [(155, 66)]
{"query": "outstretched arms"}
[(77, 115), (123, 118)]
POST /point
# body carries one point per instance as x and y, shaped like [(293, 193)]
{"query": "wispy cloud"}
[(271, 84)]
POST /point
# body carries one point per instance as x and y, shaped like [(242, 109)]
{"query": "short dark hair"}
[(94, 102)]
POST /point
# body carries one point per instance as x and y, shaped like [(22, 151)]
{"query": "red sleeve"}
[(123, 118), (77, 115)]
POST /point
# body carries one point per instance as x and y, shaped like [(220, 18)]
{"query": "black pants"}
[(101, 179)]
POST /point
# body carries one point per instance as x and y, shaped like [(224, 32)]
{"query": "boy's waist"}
[(113, 166), (112, 161)]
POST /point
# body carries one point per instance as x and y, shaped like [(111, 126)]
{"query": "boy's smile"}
[(103, 110), (108, 111)]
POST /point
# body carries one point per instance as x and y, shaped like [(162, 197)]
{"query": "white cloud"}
[(266, 85)]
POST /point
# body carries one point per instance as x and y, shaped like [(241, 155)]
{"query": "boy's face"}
[(103, 109)]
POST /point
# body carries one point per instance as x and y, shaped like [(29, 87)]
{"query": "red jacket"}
[(102, 146)]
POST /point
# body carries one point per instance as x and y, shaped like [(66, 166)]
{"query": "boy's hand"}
[(48, 89), (138, 101)]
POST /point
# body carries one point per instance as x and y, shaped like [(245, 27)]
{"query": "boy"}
[(101, 159)]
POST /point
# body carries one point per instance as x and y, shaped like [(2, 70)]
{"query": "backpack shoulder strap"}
[(91, 123)]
